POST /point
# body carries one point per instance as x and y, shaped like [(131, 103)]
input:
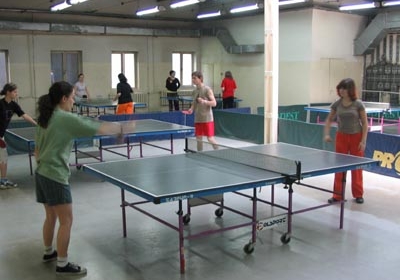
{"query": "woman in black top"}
[(172, 84), (8, 107), (124, 91)]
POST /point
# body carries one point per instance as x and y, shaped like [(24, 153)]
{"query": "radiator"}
[(140, 97)]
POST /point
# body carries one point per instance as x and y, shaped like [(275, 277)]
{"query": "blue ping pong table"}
[(186, 101), (101, 106), (179, 178), (144, 130), (371, 108)]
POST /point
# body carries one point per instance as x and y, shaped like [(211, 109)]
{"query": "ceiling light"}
[(357, 7), (207, 15), (289, 2), (390, 3), (244, 9), (74, 2), (184, 3), (156, 9), (60, 7)]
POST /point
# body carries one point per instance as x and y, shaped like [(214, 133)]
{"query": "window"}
[(124, 62), (65, 66), (3, 68), (182, 64)]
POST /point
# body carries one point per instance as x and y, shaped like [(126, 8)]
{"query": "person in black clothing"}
[(172, 84), (8, 107), (124, 91)]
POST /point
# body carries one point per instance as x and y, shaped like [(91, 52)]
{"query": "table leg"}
[(181, 239), (123, 212)]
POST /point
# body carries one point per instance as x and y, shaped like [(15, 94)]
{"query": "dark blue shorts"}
[(51, 192)]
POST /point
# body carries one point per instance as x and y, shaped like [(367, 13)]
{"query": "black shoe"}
[(332, 200), (71, 269), (51, 257), (359, 200)]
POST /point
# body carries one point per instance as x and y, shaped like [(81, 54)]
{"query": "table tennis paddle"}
[(2, 143)]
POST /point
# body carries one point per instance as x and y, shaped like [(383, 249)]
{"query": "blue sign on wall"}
[(386, 149)]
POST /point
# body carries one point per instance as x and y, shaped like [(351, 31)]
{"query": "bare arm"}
[(29, 119), (87, 92), (115, 128), (364, 123), (212, 102), (328, 123), (116, 96)]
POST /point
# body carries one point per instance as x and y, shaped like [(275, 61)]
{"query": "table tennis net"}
[(377, 105), (242, 156)]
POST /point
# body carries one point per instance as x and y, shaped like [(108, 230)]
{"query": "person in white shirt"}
[(81, 90)]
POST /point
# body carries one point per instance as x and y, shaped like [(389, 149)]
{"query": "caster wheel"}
[(79, 167), (186, 219), (248, 248), (219, 212), (285, 238)]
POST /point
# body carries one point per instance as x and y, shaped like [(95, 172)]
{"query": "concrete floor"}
[(367, 248)]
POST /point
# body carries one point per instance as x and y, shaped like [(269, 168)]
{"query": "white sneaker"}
[(8, 184)]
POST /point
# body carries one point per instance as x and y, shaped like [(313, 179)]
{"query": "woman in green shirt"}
[(57, 127)]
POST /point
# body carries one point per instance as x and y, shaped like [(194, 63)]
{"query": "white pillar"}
[(271, 70)]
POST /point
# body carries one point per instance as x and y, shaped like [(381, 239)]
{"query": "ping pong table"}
[(376, 122), (144, 129), (101, 105), (180, 177)]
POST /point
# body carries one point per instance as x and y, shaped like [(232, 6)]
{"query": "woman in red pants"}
[(351, 136)]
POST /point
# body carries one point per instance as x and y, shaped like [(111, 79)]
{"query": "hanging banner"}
[(386, 149)]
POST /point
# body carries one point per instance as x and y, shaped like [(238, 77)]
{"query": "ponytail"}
[(47, 103)]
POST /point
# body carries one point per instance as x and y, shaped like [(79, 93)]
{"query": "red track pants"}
[(348, 144)]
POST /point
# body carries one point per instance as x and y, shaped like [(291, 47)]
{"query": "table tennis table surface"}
[(179, 177), (370, 107), (142, 127)]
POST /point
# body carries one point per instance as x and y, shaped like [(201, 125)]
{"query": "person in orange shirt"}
[(228, 87)]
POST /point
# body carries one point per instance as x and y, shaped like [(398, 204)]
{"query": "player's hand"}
[(200, 100), (128, 127), (187, 112), (362, 146), (327, 138)]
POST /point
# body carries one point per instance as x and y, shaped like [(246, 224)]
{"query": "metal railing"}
[(391, 97), (163, 95)]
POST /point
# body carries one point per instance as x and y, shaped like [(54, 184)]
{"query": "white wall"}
[(332, 53), (295, 54), (316, 52), (29, 58)]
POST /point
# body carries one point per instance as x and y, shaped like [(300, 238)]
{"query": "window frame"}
[(6, 69), (135, 83), (180, 71)]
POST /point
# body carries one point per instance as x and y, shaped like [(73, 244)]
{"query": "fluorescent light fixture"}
[(390, 3), (74, 2), (184, 3), (357, 7), (156, 9), (215, 14), (289, 2), (244, 9), (60, 7)]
